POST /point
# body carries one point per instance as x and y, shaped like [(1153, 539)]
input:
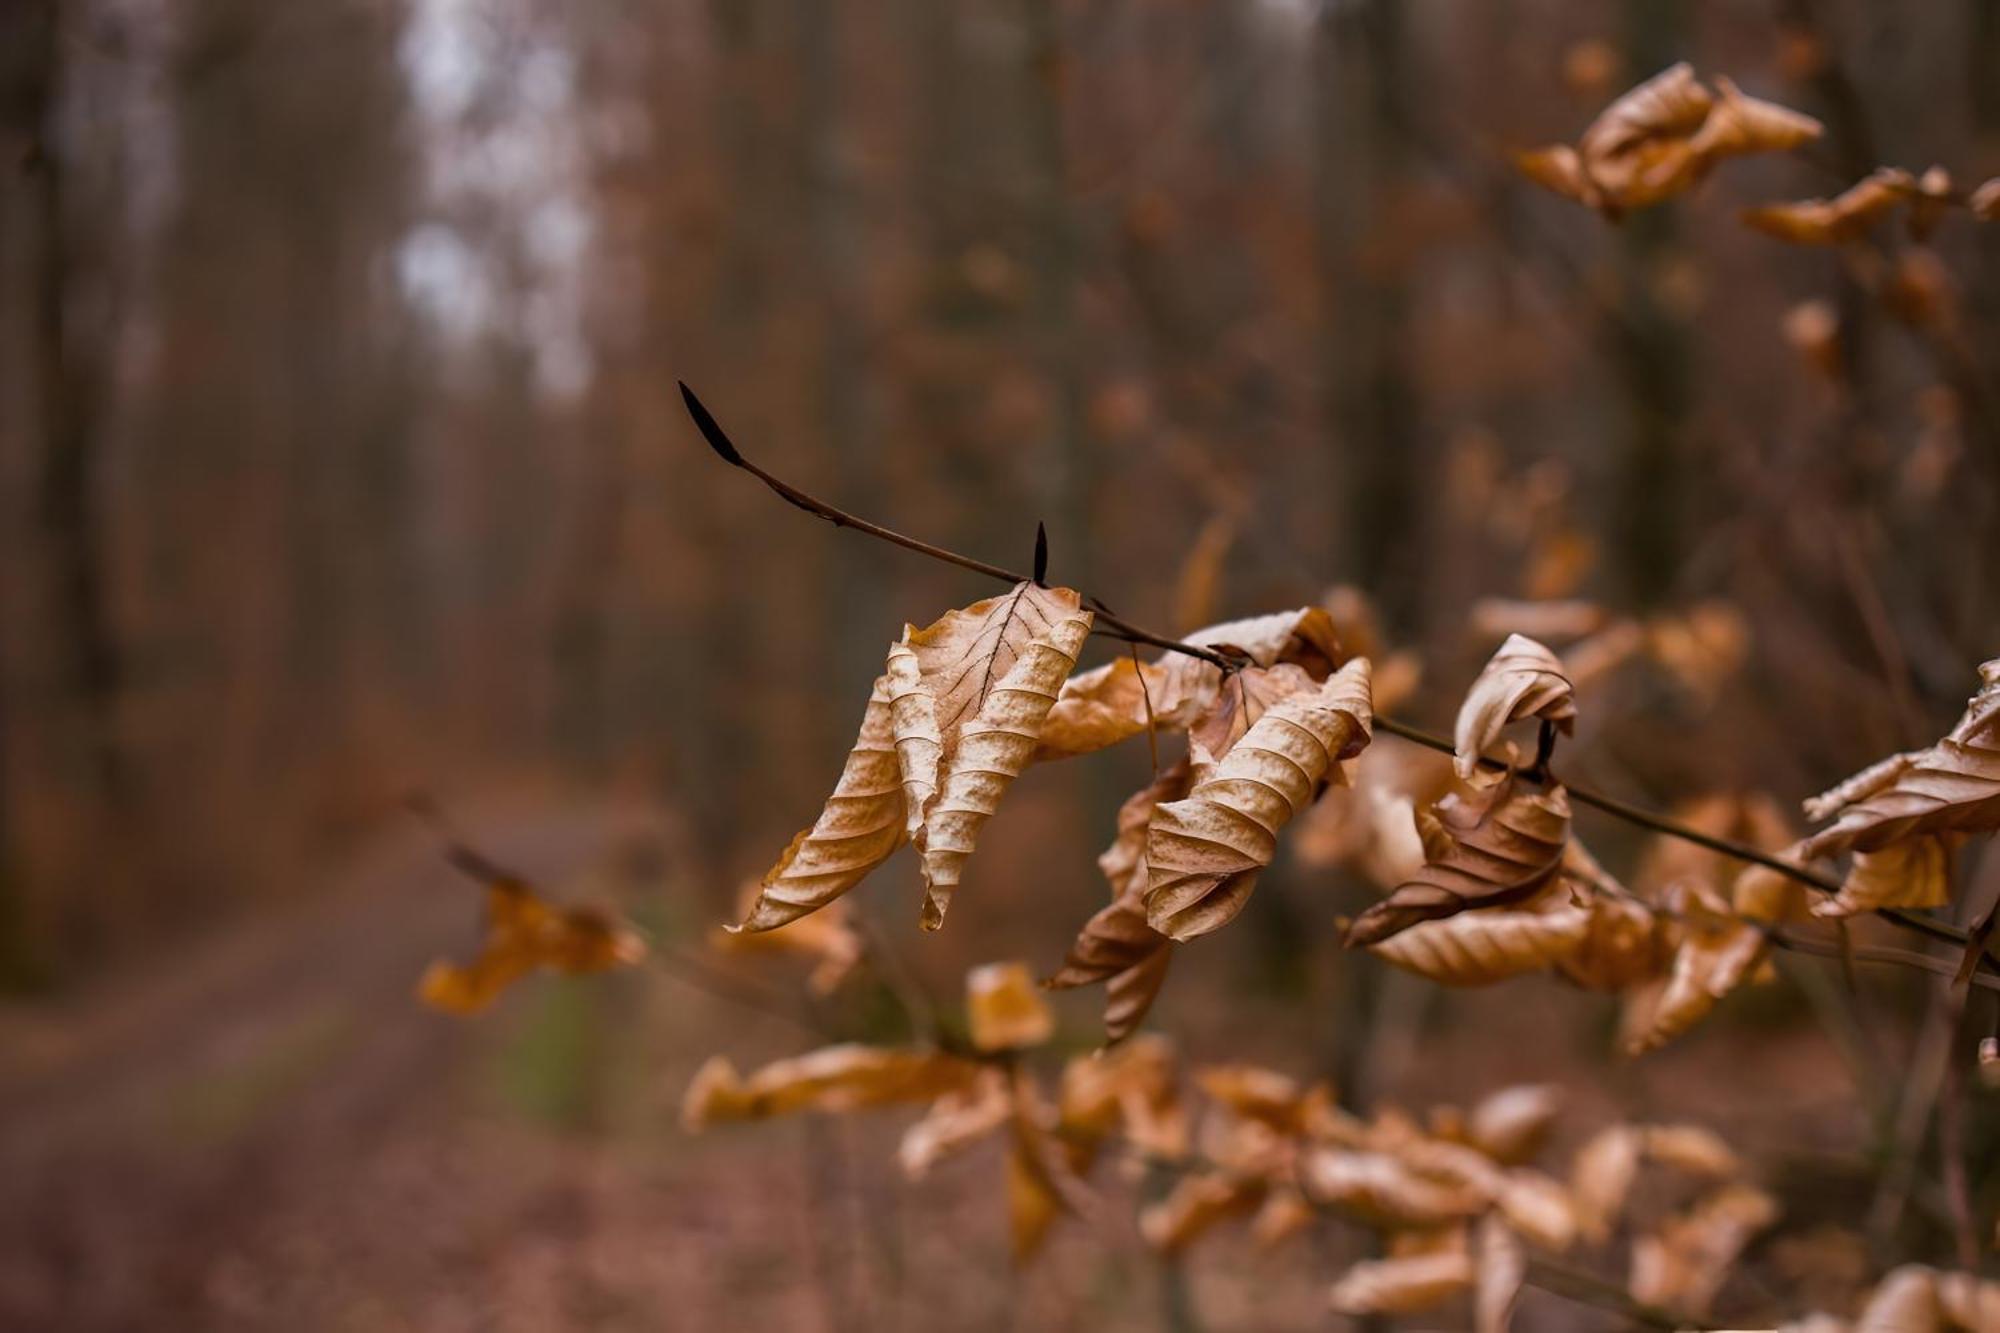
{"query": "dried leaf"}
[(1194, 1205), (1204, 852), (1559, 169), (524, 933), (1134, 1086), (1410, 1284), (1500, 1266), (1263, 1095), (992, 672), (1842, 218), (826, 936), (1985, 201), (1738, 125), (1683, 1263), (1200, 576), (1913, 873), (1954, 786), (1670, 105), (1285, 1214), (1381, 1190), (1565, 619), (1690, 1148), (1004, 1009), (832, 1079), (863, 822), (1523, 680), (1033, 1201), (1121, 699), (956, 1121), (1480, 948), (1510, 1125), (1916, 1299), (1626, 945), (1500, 845), (1601, 1177)]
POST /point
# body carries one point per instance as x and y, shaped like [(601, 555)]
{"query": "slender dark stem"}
[(725, 449)]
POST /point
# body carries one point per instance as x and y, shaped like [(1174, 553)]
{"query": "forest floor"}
[(267, 1132)]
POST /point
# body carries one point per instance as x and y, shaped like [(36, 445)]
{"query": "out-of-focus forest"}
[(342, 461)]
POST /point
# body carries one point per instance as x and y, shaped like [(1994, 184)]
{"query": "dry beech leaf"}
[(1247, 696), (826, 936), (860, 826), (1200, 577), (1482, 947), (1121, 699), (1381, 1190), (1842, 218), (1033, 1201), (956, 1121), (1601, 1176), (1522, 680), (1407, 1284), (1690, 1148), (1194, 1205), (1954, 786), (1264, 1095), (1204, 852), (1570, 618), (1284, 1214), (1913, 873), (971, 692), (1627, 945), (1533, 1204), (1722, 944), (833, 1079), (1916, 1299), (524, 933), (1500, 1266), (1370, 826), (1985, 201), (1683, 1263), (1004, 1008), (1131, 1089), (1738, 125), (1510, 1125), (1559, 169), (1490, 847), (1117, 946)]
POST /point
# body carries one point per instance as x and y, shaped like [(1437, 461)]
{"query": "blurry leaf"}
[(1510, 1125), (1570, 618), (1690, 1148), (1499, 845), (1915, 872), (1700, 649), (1500, 1266), (1204, 852), (1813, 330), (1130, 1089), (860, 826), (1928, 202), (1004, 1009), (1117, 946), (524, 933), (1842, 218), (1590, 660), (1684, 1262), (1033, 1203), (1954, 786), (1601, 1176), (1916, 1299), (1118, 700), (959, 1119), (1625, 945), (1263, 1095), (1371, 826), (1522, 680), (1985, 201), (832, 1079), (1199, 582), (1482, 947), (1738, 125), (1195, 1204), (1285, 1214), (826, 936), (1381, 1190), (971, 693), (1408, 1284)]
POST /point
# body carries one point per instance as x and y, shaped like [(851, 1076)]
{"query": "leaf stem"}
[(725, 449)]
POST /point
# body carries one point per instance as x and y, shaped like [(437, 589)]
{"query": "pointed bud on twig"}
[(709, 430)]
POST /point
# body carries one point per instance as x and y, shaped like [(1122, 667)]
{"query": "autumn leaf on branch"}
[(523, 934), (833, 1079), (1845, 217), (1488, 847), (827, 937), (1661, 138), (1205, 851)]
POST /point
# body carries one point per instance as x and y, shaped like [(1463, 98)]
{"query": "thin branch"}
[(725, 449)]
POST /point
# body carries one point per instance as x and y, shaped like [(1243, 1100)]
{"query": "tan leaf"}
[(1500, 1266), (1559, 170), (1245, 698), (1523, 680), (1501, 845), (1004, 1009), (826, 936), (1285, 1214), (1380, 1190), (1916, 1299), (834, 1079), (1371, 826), (1120, 699), (1913, 873), (1626, 945), (523, 933), (1954, 786), (860, 826), (1601, 1177), (1737, 125), (1133, 1086), (992, 672), (959, 1119), (1480, 948), (1117, 946), (1682, 1264), (1569, 618), (1200, 576), (1033, 1201), (1690, 1148), (1204, 852), (1722, 943), (1260, 1094), (1670, 105), (1510, 1125), (1985, 201), (1194, 1205), (1410, 1284), (1842, 218)]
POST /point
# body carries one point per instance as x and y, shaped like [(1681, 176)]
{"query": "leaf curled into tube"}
[(1523, 680)]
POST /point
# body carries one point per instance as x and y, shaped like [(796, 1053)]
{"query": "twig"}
[(720, 442)]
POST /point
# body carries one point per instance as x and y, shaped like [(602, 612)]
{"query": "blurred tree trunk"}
[(1362, 150), (1658, 481)]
